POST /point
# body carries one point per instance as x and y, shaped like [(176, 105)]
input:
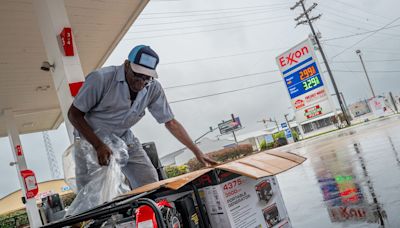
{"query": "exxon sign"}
[(294, 56)]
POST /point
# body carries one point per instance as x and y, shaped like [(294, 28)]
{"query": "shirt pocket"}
[(133, 118)]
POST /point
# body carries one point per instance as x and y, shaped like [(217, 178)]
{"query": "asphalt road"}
[(351, 178)]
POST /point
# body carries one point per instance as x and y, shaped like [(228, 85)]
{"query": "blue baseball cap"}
[(144, 60)]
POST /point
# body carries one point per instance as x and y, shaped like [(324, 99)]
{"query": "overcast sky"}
[(199, 41)]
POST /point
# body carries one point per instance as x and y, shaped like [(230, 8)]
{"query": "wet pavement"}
[(351, 178)]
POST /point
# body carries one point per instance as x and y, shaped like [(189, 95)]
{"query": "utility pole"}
[(344, 102), (309, 21), (358, 52)]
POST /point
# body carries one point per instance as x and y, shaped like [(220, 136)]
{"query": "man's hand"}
[(206, 161), (103, 154), (77, 118)]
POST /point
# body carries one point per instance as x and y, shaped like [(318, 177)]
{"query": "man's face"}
[(136, 81)]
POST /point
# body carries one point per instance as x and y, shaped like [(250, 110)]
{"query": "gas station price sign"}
[(303, 80), (305, 85)]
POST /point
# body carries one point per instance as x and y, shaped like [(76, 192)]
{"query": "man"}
[(112, 100)]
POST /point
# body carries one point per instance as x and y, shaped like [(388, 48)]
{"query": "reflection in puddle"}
[(396, 153), (350, 180), (378, 212), (342, 190)]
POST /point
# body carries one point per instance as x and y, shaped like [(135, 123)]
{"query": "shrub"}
[(277, 135), (20, 218), (14, 219), (173, 170), (263, 145), (223, 155), (270, 145)]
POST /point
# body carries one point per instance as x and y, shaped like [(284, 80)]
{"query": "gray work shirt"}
[(105, 99)]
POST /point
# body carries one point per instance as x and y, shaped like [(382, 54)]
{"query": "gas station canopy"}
[(97, 27)]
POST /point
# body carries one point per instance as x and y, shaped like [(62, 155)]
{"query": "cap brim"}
[(143, 70)]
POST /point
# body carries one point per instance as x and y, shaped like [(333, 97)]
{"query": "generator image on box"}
[(271, 215), (264, 191)]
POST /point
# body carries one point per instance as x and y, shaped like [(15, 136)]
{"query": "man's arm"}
[(180, 133), (77, 119)]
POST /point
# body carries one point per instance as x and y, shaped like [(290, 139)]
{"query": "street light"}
[(211, 129), (358, 52), (271, 121)]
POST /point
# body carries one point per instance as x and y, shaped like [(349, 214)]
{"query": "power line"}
[(374, 50), (211, 30), (205, 14), (221, 56), (366, 37), (344, 24), (358, 27), (373, 71), (212, 10), (225, 92), (208, 25), (335, 27), (207, 19), (359, 34), (362, 10), (222, 79), (349, 16), (371, 61)]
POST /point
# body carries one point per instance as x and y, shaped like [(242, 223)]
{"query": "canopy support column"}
[(20, 164), (67, 71)]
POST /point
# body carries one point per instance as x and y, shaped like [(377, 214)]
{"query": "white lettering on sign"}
[(44, 194), (293, 57), (18, 149)]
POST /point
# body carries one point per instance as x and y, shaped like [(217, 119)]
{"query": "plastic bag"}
[(68, 162), (104, 182)]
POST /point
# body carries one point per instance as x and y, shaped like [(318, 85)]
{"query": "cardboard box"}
[(240, 194), (243, 202)]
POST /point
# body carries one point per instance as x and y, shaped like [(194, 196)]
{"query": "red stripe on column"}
[(74, 88)]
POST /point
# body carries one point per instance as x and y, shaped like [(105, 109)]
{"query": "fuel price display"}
[(304, 80), (311, 83)]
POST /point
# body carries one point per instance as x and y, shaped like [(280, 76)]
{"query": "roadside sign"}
[(288, 133), (289, 136), (269, 139), (283, 125), (306, 87), (378, 106), (229, 126)]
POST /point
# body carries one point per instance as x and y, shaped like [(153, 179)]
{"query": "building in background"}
[(359, 108), (318, 123), (12, 202), (183, 155)]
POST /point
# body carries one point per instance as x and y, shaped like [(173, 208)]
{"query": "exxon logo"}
[(293, 57)]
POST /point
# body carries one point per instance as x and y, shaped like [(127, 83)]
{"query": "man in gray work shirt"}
[(113, 99)]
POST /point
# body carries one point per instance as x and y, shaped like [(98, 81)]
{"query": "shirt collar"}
[(121, 73)]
